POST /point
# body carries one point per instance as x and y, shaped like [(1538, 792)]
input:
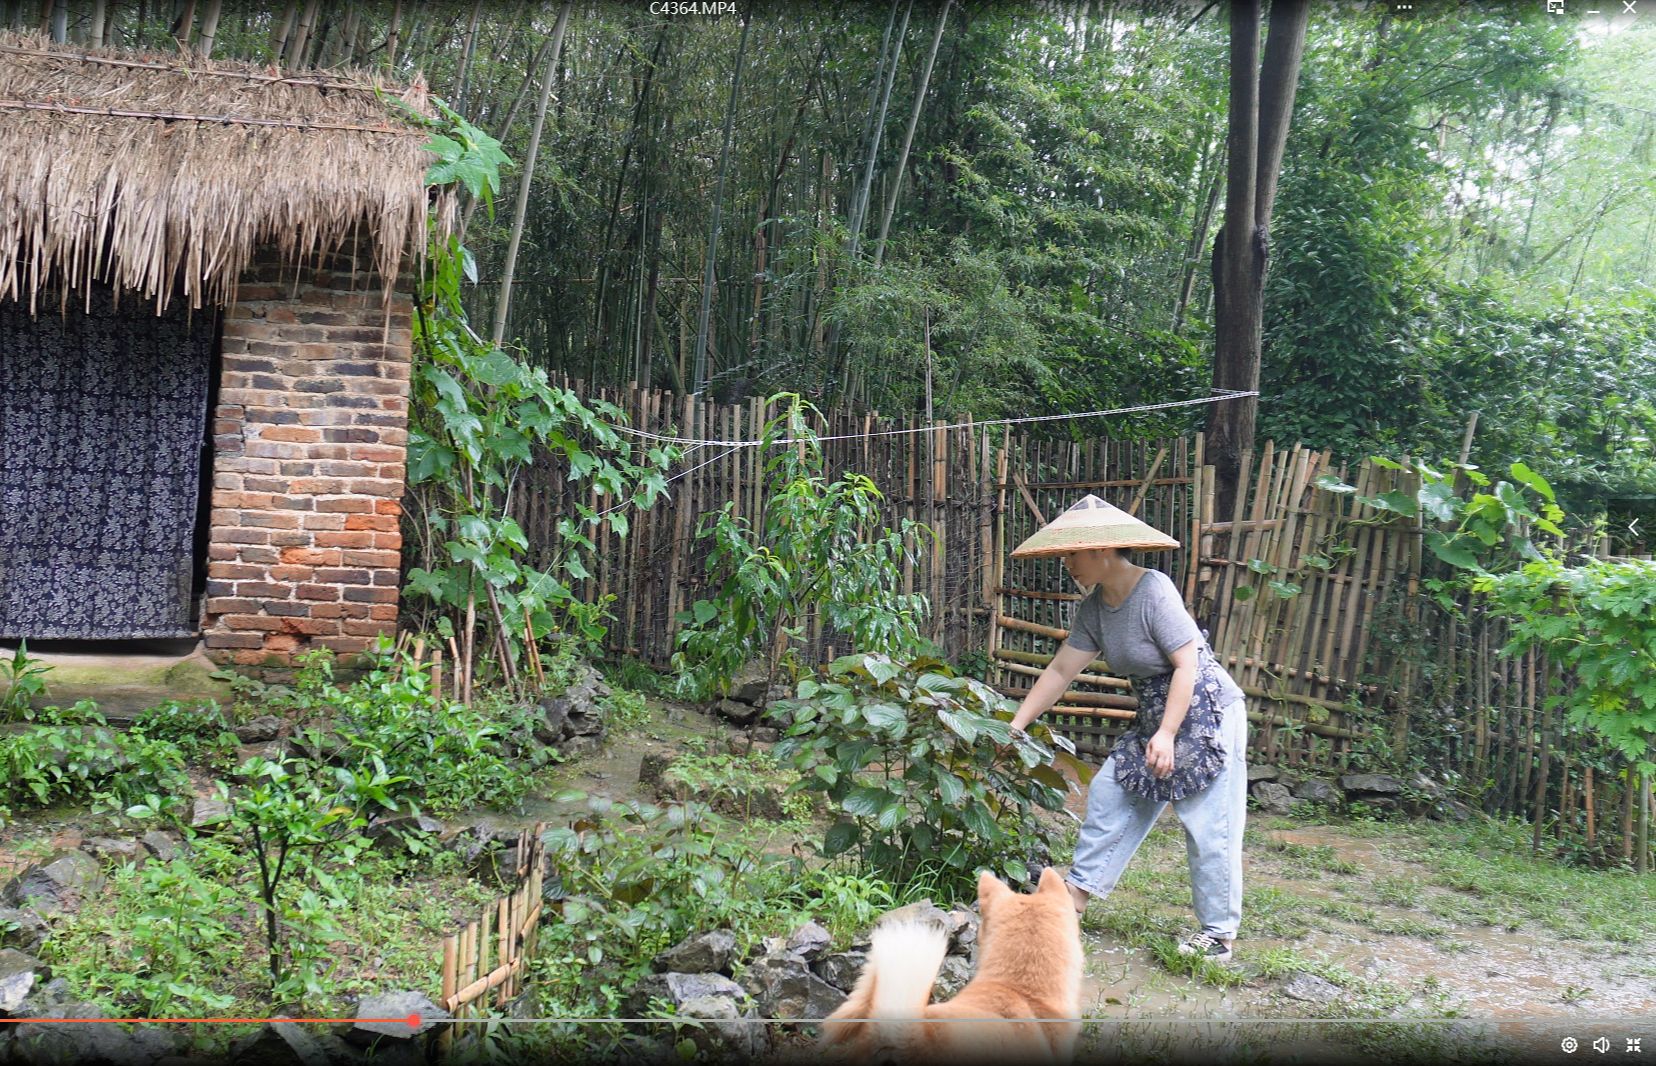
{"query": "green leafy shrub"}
[(445, 755), (819, 546), (25, 680), (70, 755), (1598, 621), (924, 770), (635, 878)]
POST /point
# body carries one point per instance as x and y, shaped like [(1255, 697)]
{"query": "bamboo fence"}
[(1355, 658), (474, 963)]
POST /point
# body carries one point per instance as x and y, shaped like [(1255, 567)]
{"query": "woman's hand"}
[(1158, 754)]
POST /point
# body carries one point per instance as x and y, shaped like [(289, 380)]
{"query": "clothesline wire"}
[(728, 446), (1138, 409)]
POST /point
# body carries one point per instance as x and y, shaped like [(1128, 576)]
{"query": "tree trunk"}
[(184, 27), (859, 209), (908, 135), (95, 32), (392, 35), (301, 35), (708, 277), (504, 302), (505, 126), (465, 59), (60, 20), (284, 30), (1212, 170), (1260, 108), (209, 27)]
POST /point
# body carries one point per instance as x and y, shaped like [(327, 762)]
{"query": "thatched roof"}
[(163, 173)]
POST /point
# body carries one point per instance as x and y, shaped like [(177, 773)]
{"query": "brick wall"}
[(310, 434)]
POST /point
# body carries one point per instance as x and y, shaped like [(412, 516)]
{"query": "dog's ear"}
[(1052, 881), (990, 888)]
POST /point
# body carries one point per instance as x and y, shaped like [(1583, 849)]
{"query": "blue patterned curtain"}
[(102, 422)]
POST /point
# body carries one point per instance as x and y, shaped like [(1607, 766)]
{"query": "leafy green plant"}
[(25, 680), (1599, 622), (480, 417), (71, 755), (922, 766), (633, 879), (819, 546)]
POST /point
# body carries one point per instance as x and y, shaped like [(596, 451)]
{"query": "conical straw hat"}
[(1092, 523)]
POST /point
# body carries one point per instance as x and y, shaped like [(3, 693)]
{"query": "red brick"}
[(388, 506), (357, 594), (345, 577), (310, 557), (389, 487), (281, 642), (287, 609), (233, 640), (290, 434), (372, 558), (231, 605), (283, 538), (344, 504), (389, 541), (385, 612), (270, 519), (345, 645), (344, 539), (224, 552), (234, 571), (262, 590), (364, 628), (255, 622), (381, 523), (309, 626), (241, 536), (317, 592), (292, 574), (323, 521), (356, 610), (330, 610), (342, 468)]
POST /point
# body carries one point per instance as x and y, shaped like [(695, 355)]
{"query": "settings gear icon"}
[(1569, 1045)]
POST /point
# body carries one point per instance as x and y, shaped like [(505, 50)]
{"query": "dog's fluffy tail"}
[(904, 958), (896, 983)]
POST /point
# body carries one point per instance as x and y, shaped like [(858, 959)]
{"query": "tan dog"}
[(1029, 967)]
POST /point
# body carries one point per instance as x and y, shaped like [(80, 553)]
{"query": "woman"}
[(1188, 742)]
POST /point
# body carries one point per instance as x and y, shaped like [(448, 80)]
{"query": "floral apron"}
[(1198, 751)]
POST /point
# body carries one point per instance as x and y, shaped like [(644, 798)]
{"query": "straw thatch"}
[(164, 174)]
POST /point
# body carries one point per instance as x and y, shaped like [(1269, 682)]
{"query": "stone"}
[(725, 1027), (576, 746), (164, 846), (403, 822), (1426, 786), (19, 974), (375, 1013), (1316, 790), (1452, 810), (1309, 988), (57, 886), (951, 977), (280, 1044), (209, 810), (778, 693), (652, 766), (963, 928), (765, 734), (677, 988), (1261, 772), (264, 728), (809, 941), (270, 751), (319, 742), (1377, 783), (735, 711), (784, 987), (709, 952), (42, 1043), (1273, 798), (841, 969), (123, 851), (554, 719), (22, 928)]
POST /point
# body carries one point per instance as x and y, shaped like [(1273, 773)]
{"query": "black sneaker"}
[(1206, 945)]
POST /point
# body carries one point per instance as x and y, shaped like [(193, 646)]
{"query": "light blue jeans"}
[(1118, 821)]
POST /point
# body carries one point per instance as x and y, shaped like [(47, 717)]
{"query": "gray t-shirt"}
[(1138, 638)]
